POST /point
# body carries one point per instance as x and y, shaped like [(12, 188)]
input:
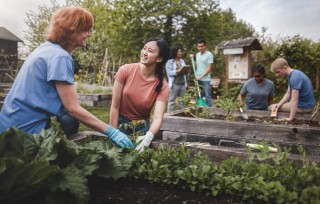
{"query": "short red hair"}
[(66, 21)]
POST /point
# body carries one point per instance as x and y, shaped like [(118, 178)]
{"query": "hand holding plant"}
[(144, 141), (118, 137)]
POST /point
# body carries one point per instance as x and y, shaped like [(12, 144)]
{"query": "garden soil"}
[(129, 191)]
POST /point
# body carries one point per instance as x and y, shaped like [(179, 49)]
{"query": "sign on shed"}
[(238, 58)]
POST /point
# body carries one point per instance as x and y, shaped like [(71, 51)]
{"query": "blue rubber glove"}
[(118, 137)]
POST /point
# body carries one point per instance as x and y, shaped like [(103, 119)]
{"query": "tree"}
[(123, 25), (301, 53), (37, 23)]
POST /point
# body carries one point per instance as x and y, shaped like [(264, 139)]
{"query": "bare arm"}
[(115, 105), (240, 100), (157, 119), (285, 98), (68, 95), (294, 104)]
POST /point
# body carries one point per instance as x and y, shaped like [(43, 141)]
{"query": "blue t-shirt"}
[(202, 63), (299, 81), (33, 97), (257, 95)]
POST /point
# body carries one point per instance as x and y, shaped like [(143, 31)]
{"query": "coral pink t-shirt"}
[(138, 95)]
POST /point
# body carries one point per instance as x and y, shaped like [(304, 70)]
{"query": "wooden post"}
[(113, 72), (227, 73), (105, 65)]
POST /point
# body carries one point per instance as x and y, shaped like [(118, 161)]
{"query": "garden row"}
[(59, 170)]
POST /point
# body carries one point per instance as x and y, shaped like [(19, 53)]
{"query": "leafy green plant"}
[(133, 126), (266, 178), (82, 89), (205, 112), (60, 169), (228, 105), (55, 166), (189, 99)]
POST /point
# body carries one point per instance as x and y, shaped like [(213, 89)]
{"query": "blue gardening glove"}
[(118, 137), (145, 141)]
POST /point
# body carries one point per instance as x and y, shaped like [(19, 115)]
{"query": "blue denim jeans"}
[(132, 127), (68, 124), (207, 92)]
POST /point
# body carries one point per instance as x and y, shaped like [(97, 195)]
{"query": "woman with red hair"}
[(44, 86)]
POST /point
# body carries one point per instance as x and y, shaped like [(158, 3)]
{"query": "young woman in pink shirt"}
[(138, 88)]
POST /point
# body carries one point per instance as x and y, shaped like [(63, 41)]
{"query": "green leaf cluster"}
[(266, 178), (55, 166), (123, 25)]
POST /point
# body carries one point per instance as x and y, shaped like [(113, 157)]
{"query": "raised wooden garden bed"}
[(95, 100), (94, 95), (178, 127)]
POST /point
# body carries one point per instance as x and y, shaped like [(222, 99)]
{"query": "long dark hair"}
[(174, 52), (164, 52)]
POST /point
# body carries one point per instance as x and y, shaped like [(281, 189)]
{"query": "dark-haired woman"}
[(137, 89), (177, 81), (258, 91)]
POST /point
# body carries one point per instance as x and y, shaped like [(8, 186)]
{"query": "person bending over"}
[(44, 86)]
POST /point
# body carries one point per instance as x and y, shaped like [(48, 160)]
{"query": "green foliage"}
[(273, 179), (191, 95), (123, 25), (228, 105), (37, 23), (82, 89), (133, 126), (58, 168), (301, 53)]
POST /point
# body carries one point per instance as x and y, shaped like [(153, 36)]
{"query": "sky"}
[(282, 18)]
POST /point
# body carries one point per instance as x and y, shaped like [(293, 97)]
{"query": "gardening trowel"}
[(243, 114)]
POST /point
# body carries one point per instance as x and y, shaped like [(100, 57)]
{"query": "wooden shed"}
[(238, 58), (8, 53), (8, 41)]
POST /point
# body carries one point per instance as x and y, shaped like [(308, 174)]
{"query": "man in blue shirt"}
[(299, 96)]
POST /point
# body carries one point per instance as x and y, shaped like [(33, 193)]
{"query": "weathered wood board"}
[(177, 128), (215, 153), (95, 100)]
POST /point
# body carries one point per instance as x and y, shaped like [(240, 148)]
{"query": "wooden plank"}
[(242, 130), (255, 113), (5, 69), (96, 103), (215, 153), (5, 85), (310, 148), (94, 97)]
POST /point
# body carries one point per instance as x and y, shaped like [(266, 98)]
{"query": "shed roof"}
[(251, 42), (7, 35)]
